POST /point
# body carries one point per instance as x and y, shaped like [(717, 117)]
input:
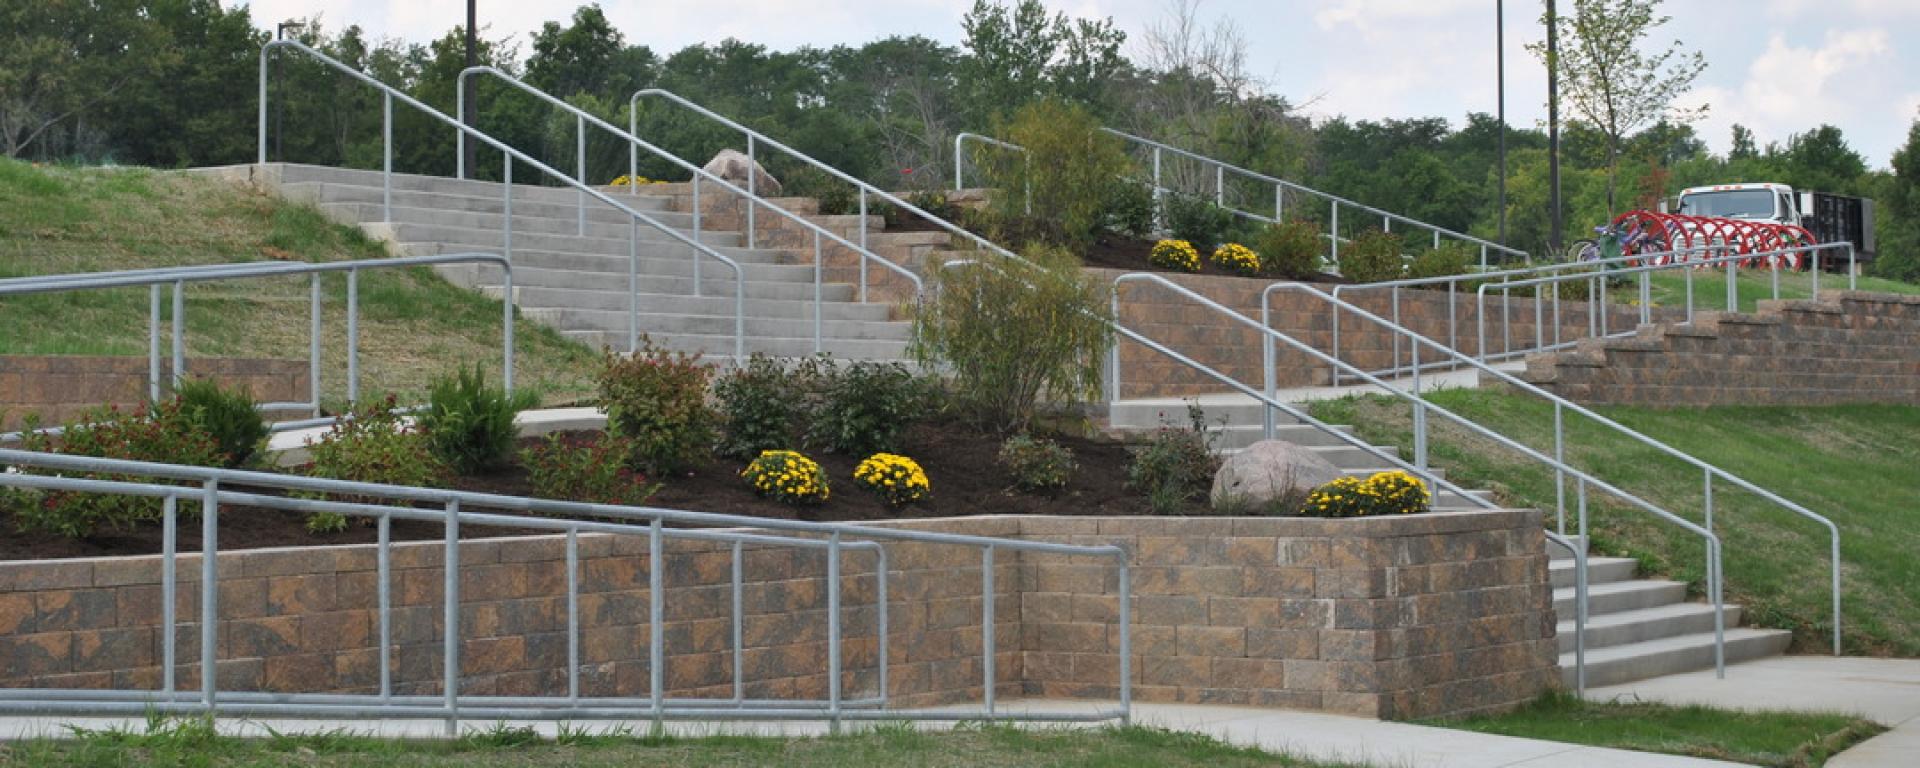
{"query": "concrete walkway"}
[(1886, 691), (1317, 736)]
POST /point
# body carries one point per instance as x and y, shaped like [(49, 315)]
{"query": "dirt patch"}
[(959, 462)]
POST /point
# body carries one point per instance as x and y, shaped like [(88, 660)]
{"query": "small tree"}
[(1610, 83), (1013, 333), (1067, 175)]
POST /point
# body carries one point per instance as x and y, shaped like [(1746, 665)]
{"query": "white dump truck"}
[(1831, 218)]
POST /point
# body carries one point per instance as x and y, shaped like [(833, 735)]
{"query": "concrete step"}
[(490, 201), (571, 320), (536, 297), (712, 285), (678, 264), (1671, 655), (1152, 412), (716, 346), (293, 173), (367, 213), (1645, 624), (1621, 596), (1557, 552), (1600, 570), (454, 238)]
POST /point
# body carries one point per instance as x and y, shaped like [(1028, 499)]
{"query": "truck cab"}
[(1772, 203)]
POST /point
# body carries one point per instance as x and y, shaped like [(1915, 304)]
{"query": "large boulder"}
[(733, 167), (1270, 470)]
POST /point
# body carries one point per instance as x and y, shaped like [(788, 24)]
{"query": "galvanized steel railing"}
[(1594, 273), (212, 487), (1557, 461), (751, 199), (390, 94), (178, 277)]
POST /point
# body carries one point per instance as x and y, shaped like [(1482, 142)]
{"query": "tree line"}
[(173, 83)]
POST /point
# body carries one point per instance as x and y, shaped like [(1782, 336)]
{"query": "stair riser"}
[(489, 223), (616, 301), (573, 320), (464, 275), (1639, 632), (717, 347), (1597, 573), (1150, 414), (444, 185), (654, 249), (323, 193), (1615, 672), (1614, 602)]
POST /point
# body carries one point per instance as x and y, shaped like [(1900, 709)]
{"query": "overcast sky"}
[(1776, 66)]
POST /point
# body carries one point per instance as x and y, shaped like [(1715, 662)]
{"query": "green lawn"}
[(192, 744), (1669, 288), (413, 325), (1853, 464), (1784, 739)]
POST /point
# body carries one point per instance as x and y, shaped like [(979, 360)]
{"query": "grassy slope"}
[(889, 745), (1854, 464), (413, 325), (1785, 739), (1754, 285)]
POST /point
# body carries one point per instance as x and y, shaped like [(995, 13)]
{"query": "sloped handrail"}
[(636, 217)]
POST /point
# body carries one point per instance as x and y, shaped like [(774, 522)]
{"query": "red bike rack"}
[(1666, 232)]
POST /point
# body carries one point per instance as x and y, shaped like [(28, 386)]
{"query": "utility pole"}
[(1553, 121), (468, 115), (1500, 65)]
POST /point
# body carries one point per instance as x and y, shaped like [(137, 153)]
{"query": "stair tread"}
[(1676, 643), (1617, 587), (1656, 613)]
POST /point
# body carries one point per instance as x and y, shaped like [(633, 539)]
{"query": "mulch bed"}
[(1117, 252), (959, 461)]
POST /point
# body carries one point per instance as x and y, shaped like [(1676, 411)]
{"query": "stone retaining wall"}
[(1851, 348), (60, 387), (1394, 617)]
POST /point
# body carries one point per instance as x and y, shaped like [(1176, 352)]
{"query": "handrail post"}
[(833, 631), (863, 245), (633, 149), (958, 139), (353, 337), (506, 327), (1267, 368), (383, 575), (460, 133), (986, 625), (506, 204), (386, 155), (153, 345), (313, 344), (753, 178), (209, 593), (696, 235), (1126, 641), (1113, 361), (1559, 471), (738, 604), (260, 145), (179, 332), (169, 582), (656, 624), (573, 613), (450, 619), (1334, 230), (1159, 195), (819, 272)]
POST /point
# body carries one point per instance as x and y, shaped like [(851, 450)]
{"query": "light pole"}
[(1500, 66)]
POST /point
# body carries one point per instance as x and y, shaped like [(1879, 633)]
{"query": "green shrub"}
[(658, 400), (1198, 221), (1290, 249), (1069, 200), (1128, 210), (372, 445), (1452, 258), (787, 477), (1175, 466), (469, 425), (1385, 493), (1174, 255), (896, 479), (1037, 465), (166, 433), (836, 197), (1012, 333), (1372, 257), (597, 472), (763, 405), (228, 415), (866, 408)]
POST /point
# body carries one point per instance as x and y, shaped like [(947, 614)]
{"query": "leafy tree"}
[(1743, 146), (1899, 214), (1610, 83), (63, 58), (1821, 160)]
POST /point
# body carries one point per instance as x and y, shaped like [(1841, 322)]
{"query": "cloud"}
[(1791, 88)]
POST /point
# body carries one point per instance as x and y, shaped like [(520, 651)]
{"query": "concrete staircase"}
[(576, 281), (1636, 628)]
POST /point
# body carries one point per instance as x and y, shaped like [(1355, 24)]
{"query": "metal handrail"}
[(391, 94), (959, 154), (178, 277), (1561, 407), (1583, 270), (583, 118), (1580, 608), (1597, 312), (755, 138), (451, 706)]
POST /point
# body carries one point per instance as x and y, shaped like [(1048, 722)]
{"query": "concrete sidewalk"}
[(1886, 691), (1317, 736)]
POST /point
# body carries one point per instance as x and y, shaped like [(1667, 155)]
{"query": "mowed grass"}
[(413, 325), (1857, 465), (1783, 739), (1669, 288), (194, 744)]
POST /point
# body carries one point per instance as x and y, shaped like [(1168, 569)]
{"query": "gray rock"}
[(1270, 470), (733, 166)]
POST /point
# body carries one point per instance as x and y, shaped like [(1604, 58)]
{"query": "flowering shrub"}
[(596, 472), (169, 433), (1291, 249), (895, 478), (658, 399), (1237, 258), (788, 477), (372, 445), (1175, 465), (1386, 493), (1175, 254), (633, 181), (1036, 464)]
